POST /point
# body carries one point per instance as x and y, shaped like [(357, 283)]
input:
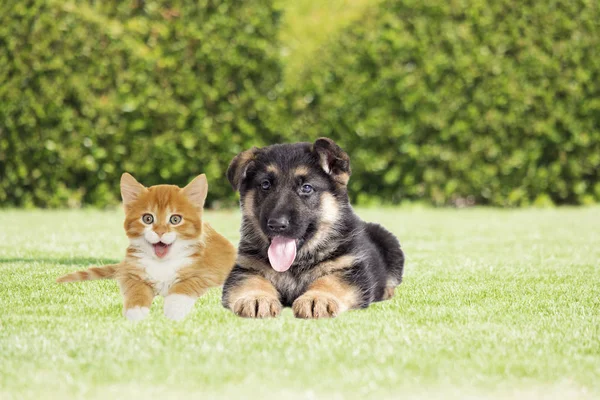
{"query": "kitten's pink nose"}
[(160, 230)]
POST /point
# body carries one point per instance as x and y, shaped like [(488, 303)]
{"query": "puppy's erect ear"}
[(196, 190), (238, 166), (130, 189), (333, 160)]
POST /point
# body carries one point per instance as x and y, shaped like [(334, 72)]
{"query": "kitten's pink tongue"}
[(282, 253), (160, 249)]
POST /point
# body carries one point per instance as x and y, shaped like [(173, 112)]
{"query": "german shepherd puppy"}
[(301, 243)]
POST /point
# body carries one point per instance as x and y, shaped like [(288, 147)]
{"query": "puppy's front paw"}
[(177, 306), (257, 306), (316, 305), (136, 313)]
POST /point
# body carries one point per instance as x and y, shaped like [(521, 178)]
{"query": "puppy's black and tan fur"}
[(299, 191)]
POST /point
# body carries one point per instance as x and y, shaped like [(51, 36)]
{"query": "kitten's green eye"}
[(175, 219), (147, 219)]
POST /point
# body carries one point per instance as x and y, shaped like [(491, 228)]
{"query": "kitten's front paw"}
[(136, 313), (177, 306)]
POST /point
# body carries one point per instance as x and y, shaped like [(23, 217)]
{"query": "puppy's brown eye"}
[(306, 188), (175, 219), (148, 219), (265, 185)]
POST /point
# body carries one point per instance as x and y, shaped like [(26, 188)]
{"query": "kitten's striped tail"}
[(90, 274)]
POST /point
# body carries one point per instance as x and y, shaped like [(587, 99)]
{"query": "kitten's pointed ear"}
[(238, 167), (333, 160), (130, 189), (196, 190)]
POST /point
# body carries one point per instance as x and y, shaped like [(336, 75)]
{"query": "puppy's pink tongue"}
[(160, 249), (282, 253)]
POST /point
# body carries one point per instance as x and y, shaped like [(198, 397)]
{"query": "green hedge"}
[(486, 101), (164, 90), (447, 101)]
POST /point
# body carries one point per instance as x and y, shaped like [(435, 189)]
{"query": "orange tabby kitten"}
[(171, 251)]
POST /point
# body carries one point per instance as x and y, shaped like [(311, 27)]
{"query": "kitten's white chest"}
[(163, 273)]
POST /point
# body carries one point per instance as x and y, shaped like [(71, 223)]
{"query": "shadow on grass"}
[(86, 261)]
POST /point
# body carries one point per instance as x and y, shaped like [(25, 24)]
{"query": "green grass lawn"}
[(495, 303)]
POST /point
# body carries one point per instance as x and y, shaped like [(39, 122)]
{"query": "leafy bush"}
[(164, 90), (449, 101), (461, 101)]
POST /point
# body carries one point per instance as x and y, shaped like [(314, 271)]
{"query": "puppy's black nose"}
[(278, 224)]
